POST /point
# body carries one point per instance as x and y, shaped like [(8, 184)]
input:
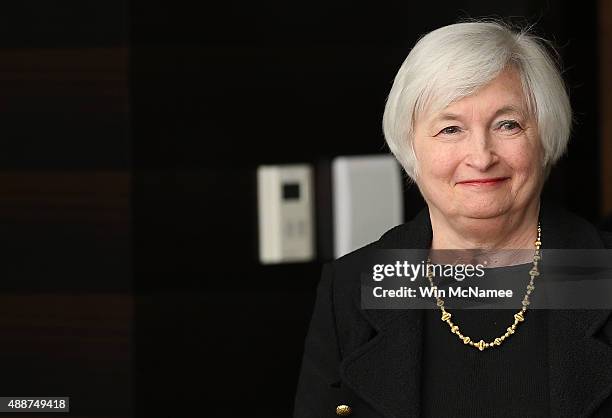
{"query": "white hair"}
[(455, 61)]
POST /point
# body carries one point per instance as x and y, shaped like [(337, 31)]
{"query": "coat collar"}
[(580, 373)]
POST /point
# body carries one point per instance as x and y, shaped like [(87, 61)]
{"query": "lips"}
[(484, 181)]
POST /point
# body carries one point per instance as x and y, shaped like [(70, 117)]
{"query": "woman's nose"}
[(481, 154)]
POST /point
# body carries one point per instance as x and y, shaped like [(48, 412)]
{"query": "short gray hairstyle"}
[(455, 61)]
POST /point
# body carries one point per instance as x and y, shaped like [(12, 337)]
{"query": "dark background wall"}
[(65, 265), (217, 91)]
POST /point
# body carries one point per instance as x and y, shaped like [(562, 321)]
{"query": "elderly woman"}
[(477, 116)]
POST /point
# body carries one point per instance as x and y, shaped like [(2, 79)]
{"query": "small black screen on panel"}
[(291, 191)]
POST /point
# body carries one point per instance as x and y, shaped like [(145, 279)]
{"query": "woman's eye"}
[(450, 130), (509, 125)]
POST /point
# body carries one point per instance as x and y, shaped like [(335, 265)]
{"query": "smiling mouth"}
[(484, 182)]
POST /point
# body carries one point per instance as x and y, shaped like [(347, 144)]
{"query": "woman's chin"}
[(484, 211)]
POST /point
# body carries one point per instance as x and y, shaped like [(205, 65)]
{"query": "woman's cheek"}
[(528, 164), (444, 162), (523, 153), (438, 161)]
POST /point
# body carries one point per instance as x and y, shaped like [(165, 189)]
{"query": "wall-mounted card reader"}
[(285, 205)]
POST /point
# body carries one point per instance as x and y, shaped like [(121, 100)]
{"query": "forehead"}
[(504, 94)]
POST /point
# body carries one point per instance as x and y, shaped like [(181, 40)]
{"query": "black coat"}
[(358, 357)]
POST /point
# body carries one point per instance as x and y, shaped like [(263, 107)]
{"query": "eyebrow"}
[(508, 109), (504, 110)]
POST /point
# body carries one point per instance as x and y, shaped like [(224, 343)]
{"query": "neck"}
[(513, 230)]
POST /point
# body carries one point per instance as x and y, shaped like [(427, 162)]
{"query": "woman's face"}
[(480, 157)]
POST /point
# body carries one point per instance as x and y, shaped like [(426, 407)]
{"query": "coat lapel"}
[(386, 371), (580, 371), (580, 364)]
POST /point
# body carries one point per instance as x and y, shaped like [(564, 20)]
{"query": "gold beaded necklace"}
[(518, 317)]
